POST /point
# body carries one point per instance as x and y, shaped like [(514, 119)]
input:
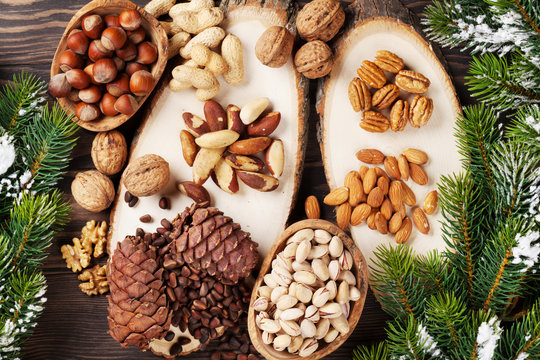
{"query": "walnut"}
[(320, 20), (274, 47), (109, 152), (92, 190), (95, 235), (77, 256), (146, 175), (96, 280), (314, 59)]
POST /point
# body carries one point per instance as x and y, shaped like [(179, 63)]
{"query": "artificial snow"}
[(522, 356), (426, 341), (488, 335), (525, 252), (7, 152)]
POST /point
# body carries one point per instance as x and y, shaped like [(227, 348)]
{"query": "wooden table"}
[(74, 325)]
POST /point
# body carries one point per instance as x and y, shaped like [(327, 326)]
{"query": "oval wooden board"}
[(341, 136)]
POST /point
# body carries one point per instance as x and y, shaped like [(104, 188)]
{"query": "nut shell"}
[(109, 152), (320, 20), (92, 190), (274, 47), (146, 175), (314, 59)]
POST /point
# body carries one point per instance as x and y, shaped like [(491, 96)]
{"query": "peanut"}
[(210, 38), (157, 8), (194, 5), (212, 61), (176, 85), (195, 22), (233, 54), (203, 80), (176, 43), (170, 27)]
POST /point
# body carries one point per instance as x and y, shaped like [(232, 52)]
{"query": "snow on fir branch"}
[(35, 145), (489, 334)]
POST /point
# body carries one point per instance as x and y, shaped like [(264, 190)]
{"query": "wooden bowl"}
[(153, 30), (359, 269)]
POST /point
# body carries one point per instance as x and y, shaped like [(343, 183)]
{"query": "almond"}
[(395, 193), (363, 171), (370, 156), (404, 232), (395, 223), (383, 183), (337, 197), (430, 202), (408, 195), (360, 213), (391, 167), (369, 180), (189, 147), (420, 220), (403, 166), (386, 209), (194, 191), (343, 215), (313, 210), (250, 146), (260, 182), (380, 224), (418, 174), (415, 156), (381, 173), (356, 189), (371, 219), (375, 197), (400, 210)]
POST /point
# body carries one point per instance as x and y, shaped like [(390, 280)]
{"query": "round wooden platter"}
[(156, 34), (370, 29), (264, 215), (359, 269)]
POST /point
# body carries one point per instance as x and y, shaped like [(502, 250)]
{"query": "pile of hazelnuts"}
[(106, 66)]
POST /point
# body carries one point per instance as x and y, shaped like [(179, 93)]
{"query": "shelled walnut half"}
[(94, 280)]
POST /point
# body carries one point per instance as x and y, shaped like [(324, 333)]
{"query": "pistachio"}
[(343, 293), (332, 288), (283, 276), (299, 266), (296, 342), (322, 236), (261, 304), (280, 260), (354, 294), (346, 260), (301, 235), (302, 251), (260, 316), (322, 328), (305, 277), (318, 252), (267, 337), (277, 314), (330, 310), (348, 276), (308, 347), (291, 314), (341, 324), (281, 342), (290, 251), (326, 259), (320, 269), (290, 327), (320, 297), (270, 281), (292, 289), (346, 309), (276, 293), (269, 325), (334, 269), (308, 328), (303, 293), (288, 301), (264, 291), (301, 306), (335, 247), (312, 313), (331, 336)]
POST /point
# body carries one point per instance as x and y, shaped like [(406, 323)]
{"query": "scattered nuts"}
[(314, 59), (146, 175), (430, 202), (274, 47), (312, 208)]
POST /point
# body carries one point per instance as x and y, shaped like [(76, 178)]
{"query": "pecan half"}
[(420, 111), (385, 96), (371, 74), (388, 61), (412, 81), (359, 95), (399, 115), (374, 122)]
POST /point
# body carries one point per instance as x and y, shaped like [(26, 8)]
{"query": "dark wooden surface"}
[(74, 325)]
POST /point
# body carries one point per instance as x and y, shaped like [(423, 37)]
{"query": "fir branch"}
[(522, 339), (412, 340), (432, 270), (525, 126), (377, 351)]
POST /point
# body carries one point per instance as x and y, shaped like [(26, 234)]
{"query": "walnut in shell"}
[(93, 190), (109, 152), (146, 175), (274, 47), (314, 59), (320, 20)]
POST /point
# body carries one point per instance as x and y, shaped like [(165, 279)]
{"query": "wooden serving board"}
[(370, 28)]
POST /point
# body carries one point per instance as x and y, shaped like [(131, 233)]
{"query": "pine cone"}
[(138, 309), (206, 240)]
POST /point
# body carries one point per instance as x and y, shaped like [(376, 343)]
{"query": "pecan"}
[(411, 81), (374, 122), (385, 96), (420, 111), (399, 115), (388, 61), (371, 74), (359, 95)]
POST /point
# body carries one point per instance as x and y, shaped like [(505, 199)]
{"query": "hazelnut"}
[(89, 70), (104, 71), (128, 52), (274, 47), (97, 51), (78, 41), (106, 105), (113, 38), (73, 96), (146, 175), (90, 95), (146, 53), (314, 59), (130, 19), (109, 152), (69, 60), (112, 21), (141, 83), (126, 104), (120, 64), (59, 86), (92, 190), (86, 112), (119, 86), (78, 78), (136, 36), (133, 67), (92, 25)]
